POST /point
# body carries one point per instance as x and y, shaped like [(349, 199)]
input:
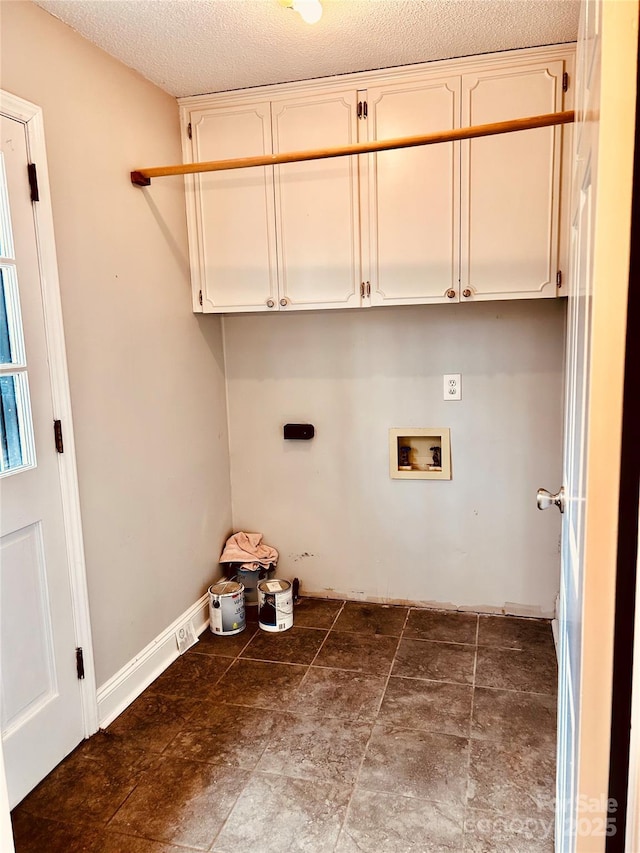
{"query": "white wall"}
[(343, 526), (146, 375)]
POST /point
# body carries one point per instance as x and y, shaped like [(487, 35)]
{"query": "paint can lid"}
[(274, 586), (225, 588)]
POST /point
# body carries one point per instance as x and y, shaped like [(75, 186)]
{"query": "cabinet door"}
[(413, 194), (317, 217), (510, 185), (231, 214)]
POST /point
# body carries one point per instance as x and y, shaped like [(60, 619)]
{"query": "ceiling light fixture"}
[(309, 10)]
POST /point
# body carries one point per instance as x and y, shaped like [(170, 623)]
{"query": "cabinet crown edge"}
[(381, 76)]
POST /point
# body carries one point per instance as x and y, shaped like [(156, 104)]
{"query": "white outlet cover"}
[(452, 387), (186, 637)]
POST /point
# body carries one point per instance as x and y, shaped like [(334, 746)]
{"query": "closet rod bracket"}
[(140, 180)]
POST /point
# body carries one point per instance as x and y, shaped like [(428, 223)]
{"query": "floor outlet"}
[(186, 637), (452, 386)]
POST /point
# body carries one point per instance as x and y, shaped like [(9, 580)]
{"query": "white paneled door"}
[(41, 706), (576, 428)]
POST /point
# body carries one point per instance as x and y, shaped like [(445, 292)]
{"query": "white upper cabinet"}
[(451, 222), (510, 196), (413, 194), (231, 214), (317, 211)]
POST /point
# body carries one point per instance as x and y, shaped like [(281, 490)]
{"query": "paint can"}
[(226, 608), (275, 605), (249, 578)]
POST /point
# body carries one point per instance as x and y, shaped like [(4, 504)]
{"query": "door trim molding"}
[(134, 677), (32, 117)]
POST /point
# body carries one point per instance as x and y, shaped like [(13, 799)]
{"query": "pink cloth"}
[(248, 549)]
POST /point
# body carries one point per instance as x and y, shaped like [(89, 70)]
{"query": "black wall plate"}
[(299, 432)]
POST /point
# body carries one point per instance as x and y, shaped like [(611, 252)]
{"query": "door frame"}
[(612, 241), (31, 116)]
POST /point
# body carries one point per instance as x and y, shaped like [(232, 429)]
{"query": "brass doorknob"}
[(284, 302), (451, 294), (466, 293), (270, 303)]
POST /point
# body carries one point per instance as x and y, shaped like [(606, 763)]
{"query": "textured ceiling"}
[(190, 47)]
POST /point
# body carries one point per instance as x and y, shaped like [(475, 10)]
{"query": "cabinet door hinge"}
[(200, 297), (33, 181), (362, 109), (565, 81), (57, 434), (362, 289), (80, 662), (189, 131), (559, 278), (359, 113)]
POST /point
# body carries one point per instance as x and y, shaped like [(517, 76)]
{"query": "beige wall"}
[(147, 383), (342, 525), (146, 375)]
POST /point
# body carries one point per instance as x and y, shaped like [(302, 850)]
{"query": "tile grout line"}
[(171, 843), (364, 753), (231, 808), (195, 651), (331, 628), (253, 771), (440, 642), (473, 696), (264, 749), (393, 660), (250, 773), (288, 663), (145, 772)]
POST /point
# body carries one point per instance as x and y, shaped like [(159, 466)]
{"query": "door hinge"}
[(189, 132), (80, 662), (33, 182), (200, 297), (57, 432), (362, 290), (559, 278), (565, 81), (362, 109), (359, 113)]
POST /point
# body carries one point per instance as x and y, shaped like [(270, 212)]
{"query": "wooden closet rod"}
[(142, 177)]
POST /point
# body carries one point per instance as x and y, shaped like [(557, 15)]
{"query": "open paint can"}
[(275, 605), (226, 608)]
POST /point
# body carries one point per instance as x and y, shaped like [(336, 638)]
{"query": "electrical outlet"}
[(186, 637), (452, 386)]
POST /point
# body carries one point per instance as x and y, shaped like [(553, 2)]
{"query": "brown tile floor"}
[(363, 728)]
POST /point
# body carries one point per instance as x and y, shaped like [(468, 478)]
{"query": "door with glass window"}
[(40, 702)]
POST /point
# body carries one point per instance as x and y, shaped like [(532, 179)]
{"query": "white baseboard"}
[(134, 677), (507, 609)]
